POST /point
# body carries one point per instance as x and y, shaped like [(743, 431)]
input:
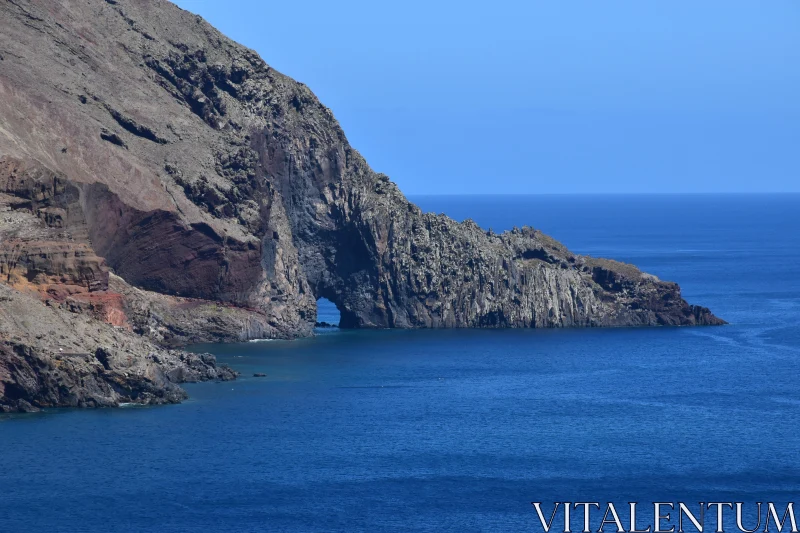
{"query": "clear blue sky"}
[(528, 96)]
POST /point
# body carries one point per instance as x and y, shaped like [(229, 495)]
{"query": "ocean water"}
[(462, 430)]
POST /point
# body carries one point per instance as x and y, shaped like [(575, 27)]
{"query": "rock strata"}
[(163, 185)]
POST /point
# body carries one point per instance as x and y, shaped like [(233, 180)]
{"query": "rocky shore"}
[(52, 356), (161, 185)]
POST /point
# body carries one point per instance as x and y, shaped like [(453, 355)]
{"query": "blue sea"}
[(461, 430)]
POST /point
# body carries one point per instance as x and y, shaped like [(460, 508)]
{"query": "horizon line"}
[(759, 193)]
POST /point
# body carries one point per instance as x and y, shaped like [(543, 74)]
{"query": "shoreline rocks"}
[(53, 357)]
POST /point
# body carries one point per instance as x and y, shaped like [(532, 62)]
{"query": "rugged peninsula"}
[(161, 185)]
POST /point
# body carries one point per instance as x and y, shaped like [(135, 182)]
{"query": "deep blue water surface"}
[(461, 430)]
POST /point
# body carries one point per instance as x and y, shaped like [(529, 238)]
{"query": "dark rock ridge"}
[(156, 176)]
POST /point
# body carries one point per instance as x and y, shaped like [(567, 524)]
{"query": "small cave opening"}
[(328, 315)]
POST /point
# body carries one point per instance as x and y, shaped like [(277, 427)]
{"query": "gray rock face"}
[(53, 357), (225, 197)]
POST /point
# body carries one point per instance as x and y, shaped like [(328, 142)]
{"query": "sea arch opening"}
[(328, 314)]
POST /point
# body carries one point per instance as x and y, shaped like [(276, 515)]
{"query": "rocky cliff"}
[(163, 180)]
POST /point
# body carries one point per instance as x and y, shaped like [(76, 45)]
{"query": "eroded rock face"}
[(177, 321), (51, 356), (137, 139)]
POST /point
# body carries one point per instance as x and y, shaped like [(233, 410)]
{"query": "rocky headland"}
[(161, 185)]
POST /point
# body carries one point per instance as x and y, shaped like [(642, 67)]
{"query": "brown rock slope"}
[(137, 139)]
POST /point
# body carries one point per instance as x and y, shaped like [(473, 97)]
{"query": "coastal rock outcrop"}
[(162, 180), (51, 356)]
